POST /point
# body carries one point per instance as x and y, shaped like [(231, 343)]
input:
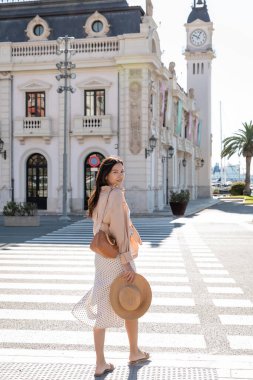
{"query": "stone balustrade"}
[(198, 154), (45, 51), (33, 127), (93, 126), (184, 145), (86, 49)]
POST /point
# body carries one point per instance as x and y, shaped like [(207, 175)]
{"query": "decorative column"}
[(6, 136), (135, 98)]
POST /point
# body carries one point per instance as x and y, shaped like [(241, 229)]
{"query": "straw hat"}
[(130, 300)]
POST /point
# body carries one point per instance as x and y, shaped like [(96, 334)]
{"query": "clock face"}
[(198, 37)]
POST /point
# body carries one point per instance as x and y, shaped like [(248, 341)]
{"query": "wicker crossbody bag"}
[(104, 244)]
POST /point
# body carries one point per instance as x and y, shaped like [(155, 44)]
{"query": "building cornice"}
[(204, 55)]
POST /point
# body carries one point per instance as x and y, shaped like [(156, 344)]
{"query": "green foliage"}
[(216, 191), (179, 196), (237, 188), (20, 209), (241, 142)]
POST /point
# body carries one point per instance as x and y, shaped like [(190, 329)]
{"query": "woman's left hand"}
[(129, 274)]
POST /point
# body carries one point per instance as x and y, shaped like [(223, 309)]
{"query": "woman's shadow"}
[(133, 372), (133, 369)]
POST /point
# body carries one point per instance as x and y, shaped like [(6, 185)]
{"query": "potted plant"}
[(179, 201), (21, 214)]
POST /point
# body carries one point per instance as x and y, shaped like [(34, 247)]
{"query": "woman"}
[(108, 208)]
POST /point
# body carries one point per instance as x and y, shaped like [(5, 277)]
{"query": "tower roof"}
[(199, 11)]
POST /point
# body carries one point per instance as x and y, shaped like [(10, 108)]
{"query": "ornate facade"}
[(125, 99)]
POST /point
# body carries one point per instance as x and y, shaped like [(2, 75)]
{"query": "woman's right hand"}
[(129, 273)]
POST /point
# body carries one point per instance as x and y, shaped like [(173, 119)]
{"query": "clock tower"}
[(199, 55)]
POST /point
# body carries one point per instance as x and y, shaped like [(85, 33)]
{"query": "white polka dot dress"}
[(94, 309)]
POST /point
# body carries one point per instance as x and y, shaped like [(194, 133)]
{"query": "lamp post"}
[(170, 153), (65, 68)]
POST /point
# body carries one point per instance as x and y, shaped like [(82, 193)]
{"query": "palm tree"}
[(241, 143)]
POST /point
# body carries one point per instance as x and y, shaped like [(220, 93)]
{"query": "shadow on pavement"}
[(48, 224)]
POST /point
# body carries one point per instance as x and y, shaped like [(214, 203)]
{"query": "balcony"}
[(164, 135), (197, 152), (93, 126), (33, 127), (184, 145)]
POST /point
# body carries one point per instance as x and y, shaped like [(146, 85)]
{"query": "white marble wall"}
[(135, 69)]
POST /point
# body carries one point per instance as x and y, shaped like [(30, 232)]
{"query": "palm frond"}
[(240, 142)]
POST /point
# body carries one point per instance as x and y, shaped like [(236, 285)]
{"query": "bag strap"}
[(101, 221)]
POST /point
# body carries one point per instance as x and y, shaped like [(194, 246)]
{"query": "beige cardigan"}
[(116, 222)]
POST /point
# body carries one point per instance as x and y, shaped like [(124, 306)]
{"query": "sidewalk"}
[(168, 366), (193, 207)]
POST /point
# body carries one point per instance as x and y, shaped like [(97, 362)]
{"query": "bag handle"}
[(104, 210)]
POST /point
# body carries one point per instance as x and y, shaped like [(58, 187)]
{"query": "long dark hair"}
[(105, 168)]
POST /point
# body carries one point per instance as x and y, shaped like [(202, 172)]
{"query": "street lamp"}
[(2, 152), (65, 68), (200, 162), (170, 153), (152, 145)]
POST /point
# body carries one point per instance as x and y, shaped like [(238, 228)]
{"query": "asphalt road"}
[(226, 231), (227, 228), (200, 269), (48, 224)]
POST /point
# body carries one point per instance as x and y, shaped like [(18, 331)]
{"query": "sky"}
[(232, 69)]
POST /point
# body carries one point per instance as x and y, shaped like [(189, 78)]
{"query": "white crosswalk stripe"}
[(41, 280), (116, 339)]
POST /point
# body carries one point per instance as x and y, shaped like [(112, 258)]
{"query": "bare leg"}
[(132, 332), (99, 341)]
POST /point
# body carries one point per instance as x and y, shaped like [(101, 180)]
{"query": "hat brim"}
[(145, 291)]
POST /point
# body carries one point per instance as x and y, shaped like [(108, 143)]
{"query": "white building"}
[(125, 100)]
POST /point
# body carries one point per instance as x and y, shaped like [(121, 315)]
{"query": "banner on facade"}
[(199, 132), (195, 136), (179, 117), (162, 97), (190, 126)]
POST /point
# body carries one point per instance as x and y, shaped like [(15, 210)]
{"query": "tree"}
[(241, 143)]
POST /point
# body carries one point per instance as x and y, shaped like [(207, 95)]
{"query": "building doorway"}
[(91, 166), (36, 181)]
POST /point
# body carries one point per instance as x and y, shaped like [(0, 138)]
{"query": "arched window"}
[(36, 180), (91, 166), (194, 69), (202, 68)]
